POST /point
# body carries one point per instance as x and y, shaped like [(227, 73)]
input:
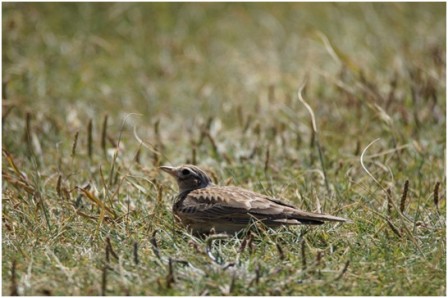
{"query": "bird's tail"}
[(304, 217)]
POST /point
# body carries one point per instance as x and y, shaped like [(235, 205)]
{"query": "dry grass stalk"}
[(318, 262), (208, 247), (302, 250), (170, 277), (107, 252), (27, 134), (14, 287), (6, 113), (436, 195), (280, 251), (111, 250), (90, 138), (266, 160), (98, 202), (104, 133), (315, 136), (104, 281), (136, 261), (257, 274), (389, 201), (193, 155), (404, 196), (393, 228), (154, 246), (343, 270), (212, 142), (137, 155), (58, 185), (13, 164), (75, 143)]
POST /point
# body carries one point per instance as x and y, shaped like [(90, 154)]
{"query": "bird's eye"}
[(185, 172)]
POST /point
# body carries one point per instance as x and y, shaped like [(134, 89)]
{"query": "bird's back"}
[(229, 208)]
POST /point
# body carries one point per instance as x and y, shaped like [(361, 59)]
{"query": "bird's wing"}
[(215, 204), (239, 205)]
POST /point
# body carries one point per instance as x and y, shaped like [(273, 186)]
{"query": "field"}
[(97, 96)]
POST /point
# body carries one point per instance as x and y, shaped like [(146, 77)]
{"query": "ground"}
[(97, 96)]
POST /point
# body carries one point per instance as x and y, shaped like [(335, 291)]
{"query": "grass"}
[(85, 211)]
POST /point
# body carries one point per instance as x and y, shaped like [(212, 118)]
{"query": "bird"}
[(204, 207)]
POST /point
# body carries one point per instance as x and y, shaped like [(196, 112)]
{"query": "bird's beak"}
[(169, 170)]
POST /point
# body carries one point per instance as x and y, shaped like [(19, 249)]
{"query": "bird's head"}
[(188, 177)]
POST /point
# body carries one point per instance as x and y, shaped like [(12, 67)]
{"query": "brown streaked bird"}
[(203, 206)]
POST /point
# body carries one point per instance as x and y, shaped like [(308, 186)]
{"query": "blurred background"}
[(181, 64)]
